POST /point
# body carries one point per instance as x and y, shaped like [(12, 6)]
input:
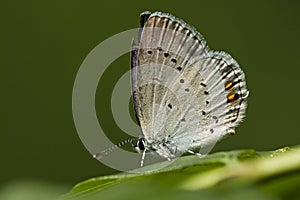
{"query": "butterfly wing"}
[(182, 90)]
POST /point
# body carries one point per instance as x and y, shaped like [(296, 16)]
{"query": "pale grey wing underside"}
[(181, 89)]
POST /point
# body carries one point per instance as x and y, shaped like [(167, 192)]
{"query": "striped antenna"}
[(107, 151)]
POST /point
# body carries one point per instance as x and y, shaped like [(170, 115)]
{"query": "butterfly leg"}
[(193, 153), (143, 158)]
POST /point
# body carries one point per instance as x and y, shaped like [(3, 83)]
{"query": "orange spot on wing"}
[(228, 85), (231, 97)]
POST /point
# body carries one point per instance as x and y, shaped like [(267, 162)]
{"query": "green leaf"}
[(31, 190), (225, 175)]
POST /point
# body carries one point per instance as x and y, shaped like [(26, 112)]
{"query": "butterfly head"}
[(140, 144)]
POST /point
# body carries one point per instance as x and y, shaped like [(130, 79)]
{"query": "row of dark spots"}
[(182, 81), (203, 112), (166, 55), (214, 117), (179, 68), (207, 102), (173, 60), (205, 92)]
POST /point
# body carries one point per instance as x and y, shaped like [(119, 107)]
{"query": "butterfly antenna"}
[(107, 151)]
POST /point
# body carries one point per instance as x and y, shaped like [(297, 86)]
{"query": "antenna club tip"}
[(97, 156)]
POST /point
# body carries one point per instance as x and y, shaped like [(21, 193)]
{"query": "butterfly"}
[(186, 96)]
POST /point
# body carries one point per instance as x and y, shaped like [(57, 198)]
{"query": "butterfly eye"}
[(141, 144)]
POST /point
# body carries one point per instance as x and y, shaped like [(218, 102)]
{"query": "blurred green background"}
[(43, 44)]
